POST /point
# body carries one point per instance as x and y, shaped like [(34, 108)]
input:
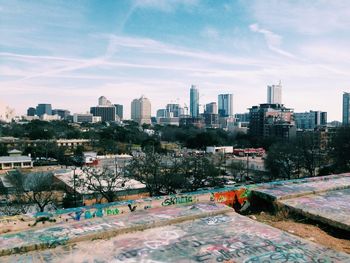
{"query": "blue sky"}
[(69, 53)]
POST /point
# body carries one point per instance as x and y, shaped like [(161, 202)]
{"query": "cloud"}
[(273, 40), (315, 17), (165, 5)]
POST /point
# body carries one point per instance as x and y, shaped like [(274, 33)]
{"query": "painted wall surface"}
[(223, 238), (299, 187), (234, 197), (331, 207), (62, 234)]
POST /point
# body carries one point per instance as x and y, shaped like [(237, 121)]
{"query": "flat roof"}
[(15, 159)]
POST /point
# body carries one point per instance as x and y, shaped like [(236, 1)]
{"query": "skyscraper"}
[(194, 101), (43, 108), (274, 94), (225, 102), (102, 101), (211, 108), (346, 108), (141, 110), (119, 110)]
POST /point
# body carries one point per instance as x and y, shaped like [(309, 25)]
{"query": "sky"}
[(68, 53)]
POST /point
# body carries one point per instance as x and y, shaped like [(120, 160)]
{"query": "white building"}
[(220, 149), (86, 117), (15, 161), (141, 110), (47, 117), (274, 94)]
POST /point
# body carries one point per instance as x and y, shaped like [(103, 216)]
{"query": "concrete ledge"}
[(104, 227), (227, 237)]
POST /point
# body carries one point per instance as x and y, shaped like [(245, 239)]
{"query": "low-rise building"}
[(15, 162)]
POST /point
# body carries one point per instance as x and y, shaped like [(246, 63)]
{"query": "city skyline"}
[(58, 52)]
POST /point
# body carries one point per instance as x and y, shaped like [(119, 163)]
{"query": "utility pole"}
[(247, 164), (74, 188)]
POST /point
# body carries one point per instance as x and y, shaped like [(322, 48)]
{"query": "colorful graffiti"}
[(100, 227), (223, 238), (177, 200), (233, 198)]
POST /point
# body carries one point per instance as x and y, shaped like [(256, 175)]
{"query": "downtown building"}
[(272, 120), (211, 116), (346, 109), (105, 109), (310, 120), (141, 110), (194, 102), (274, 94)]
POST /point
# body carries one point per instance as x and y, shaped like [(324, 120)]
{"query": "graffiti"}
[(216, 220), (147, 207), (132, 208), (233, 198), (176, 200), (113, 211)]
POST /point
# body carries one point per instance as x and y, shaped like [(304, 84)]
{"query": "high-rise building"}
[(310, 120), (162, 113), (31, 111), (174, 110), (346, 108), (102, 101), (271, 120), (211, 108), (62, 113), (274, 94), (242, 117), (105, 110), (119, 110), (43, 108), (225, 102), (194, 102), (141, 110)]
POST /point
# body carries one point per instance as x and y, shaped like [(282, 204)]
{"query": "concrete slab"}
[(281, 190), (332, 207), (62, 234), (228, 237)]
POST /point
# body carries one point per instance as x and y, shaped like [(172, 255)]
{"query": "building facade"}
[(272, 120), (346, 108), (119, 110), (141, 110), (274, 94), (194, 102), (31, 111), (225, 102), (211, 108), (62, 113), (43, 108), (310, 120)]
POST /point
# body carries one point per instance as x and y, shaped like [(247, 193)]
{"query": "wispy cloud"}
[(273, 40), (165, 5)]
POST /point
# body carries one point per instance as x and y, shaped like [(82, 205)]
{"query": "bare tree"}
[(40, 189), (237, 169), (102, 182), (34, 188)]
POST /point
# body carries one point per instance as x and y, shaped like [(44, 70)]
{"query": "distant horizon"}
[(68, 53)]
